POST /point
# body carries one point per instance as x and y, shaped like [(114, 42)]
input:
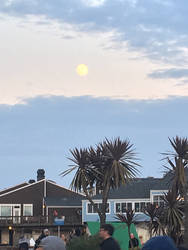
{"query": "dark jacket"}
[(109, 244), (37, 242), (134, 241), (23, 246)]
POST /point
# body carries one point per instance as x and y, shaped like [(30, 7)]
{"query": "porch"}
[(39, 220)]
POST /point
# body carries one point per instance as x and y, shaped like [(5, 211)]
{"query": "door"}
[(16, 214)]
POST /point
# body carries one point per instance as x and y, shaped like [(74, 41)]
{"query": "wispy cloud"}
[(157, 28), (169, 73)]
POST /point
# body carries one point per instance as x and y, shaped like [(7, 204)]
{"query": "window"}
[(129, 206), (27, 210), (93, 209), (118, 207), (157, 199), (122, 206), (140, 206), (137, 207), (6, 210)]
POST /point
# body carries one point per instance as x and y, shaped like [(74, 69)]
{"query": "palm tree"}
[(127, 218), (85, 175), (178, 161), (153, 211), (108, 166), (173, 215), (117, 168)]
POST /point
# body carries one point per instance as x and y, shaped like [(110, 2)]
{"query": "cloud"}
[(157, 28), (93, 3), (170, 73)]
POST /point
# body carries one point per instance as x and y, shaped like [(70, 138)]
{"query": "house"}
[(135, 195), (34, 205)]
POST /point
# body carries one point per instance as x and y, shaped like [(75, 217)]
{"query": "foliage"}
[(109, 165), (154, 212), (173, 215), (127, 218), (178, 162), (83, 243)]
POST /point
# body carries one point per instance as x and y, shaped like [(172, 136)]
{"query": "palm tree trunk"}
[(104, 203), (185, 243), (129, 232)]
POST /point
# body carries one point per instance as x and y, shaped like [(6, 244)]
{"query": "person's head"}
[(159, 243), (106, 231), (46, 232), (63, 237), (132, 236), (52, 243)]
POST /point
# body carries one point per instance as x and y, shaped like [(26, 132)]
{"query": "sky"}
[(136, 52)]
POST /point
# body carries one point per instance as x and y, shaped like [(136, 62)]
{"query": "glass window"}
[(129, 206), (157, 199), (123, 207), (142, 206), (100, 206), (137, 207), (6, 210), (27, 210), (118, 208), (89, 208), (107, 208), (95, 208)]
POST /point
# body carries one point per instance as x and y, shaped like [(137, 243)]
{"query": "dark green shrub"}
[(84, 243)]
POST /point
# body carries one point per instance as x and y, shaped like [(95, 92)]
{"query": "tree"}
[(178, 161), (172, 215), (154, 212), (127, 218), (108, 166)]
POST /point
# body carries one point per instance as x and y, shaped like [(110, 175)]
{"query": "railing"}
[(37, 220)]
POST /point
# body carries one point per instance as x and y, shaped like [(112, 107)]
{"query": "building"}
[(134, 195), (34, 205)]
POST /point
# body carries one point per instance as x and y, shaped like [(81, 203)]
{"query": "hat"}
[(159, 243), (52, 243), (45, 230)]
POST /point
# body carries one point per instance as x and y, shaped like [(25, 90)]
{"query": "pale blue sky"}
[(136, 88)]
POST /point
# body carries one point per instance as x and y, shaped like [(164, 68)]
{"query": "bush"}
[(84, 243)]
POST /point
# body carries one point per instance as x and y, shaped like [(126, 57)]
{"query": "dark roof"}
[(13, 188), (137, 189), (140, 188), (64, 201)]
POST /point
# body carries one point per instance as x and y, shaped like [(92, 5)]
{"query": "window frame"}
[(97, 202), (27, 205)]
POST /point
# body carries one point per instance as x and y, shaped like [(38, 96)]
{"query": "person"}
[(108, 243), (159, 243), (44, 234), (64, 239), (134, 241), (141, 239), (23, 243), (31, 243), (51, 243)]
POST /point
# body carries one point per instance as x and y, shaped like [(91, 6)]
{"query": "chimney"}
[(40, 174), (31, 181)]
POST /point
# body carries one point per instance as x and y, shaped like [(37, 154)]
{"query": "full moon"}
[(82, 70)]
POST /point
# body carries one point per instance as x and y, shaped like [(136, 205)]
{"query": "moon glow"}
[(82, 70)]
